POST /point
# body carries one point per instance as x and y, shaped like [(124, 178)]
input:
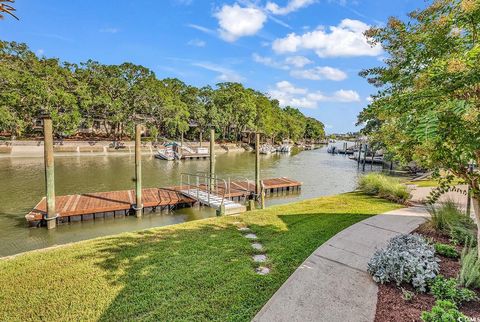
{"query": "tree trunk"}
[(476, 210)]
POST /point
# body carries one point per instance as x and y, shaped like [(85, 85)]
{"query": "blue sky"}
[(306, 53)]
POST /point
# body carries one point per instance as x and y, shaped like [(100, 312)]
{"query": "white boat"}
[(267, 149), (284, 148), (166, 154)]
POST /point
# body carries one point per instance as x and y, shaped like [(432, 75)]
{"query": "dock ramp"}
[(210, 192)]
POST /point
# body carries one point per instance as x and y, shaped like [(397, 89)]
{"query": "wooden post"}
[(257, 164), (364, 157), (138, 172), (212, 158), (359, 154), (181, 139), (373, 156), (49, 172), (262, 197), (201, 135)]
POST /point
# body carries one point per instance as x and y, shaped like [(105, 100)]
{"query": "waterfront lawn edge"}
[(200, 270)]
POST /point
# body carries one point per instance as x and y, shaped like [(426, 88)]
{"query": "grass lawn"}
[(198, 270), (431, 182)]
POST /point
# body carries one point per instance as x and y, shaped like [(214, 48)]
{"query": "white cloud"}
[(346, 39), (298, 61), (289, 95), (346, 96), (268, 61), (40, 52), (225, 74), (201, 28), (109, 30), (286, 64), (319, 73), (197, 43), (291, 6), (289, 88), (236, 21)]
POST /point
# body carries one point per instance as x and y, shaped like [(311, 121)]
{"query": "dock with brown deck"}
[(100, 205)]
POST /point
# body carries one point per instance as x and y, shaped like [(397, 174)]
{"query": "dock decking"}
[(98, 205)]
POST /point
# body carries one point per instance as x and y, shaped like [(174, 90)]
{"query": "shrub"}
[(461, 235), (469, 275), (407, 295), (448, 219), (444, 311), (446, 250), (447, 289), (385, 187), (407, 258)]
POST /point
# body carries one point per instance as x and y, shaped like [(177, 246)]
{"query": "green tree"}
[(428, 105)]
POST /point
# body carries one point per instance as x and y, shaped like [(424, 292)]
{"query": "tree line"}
[(109, 99)]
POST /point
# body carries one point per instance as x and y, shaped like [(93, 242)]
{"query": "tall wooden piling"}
[(138, 171), (359, 154), (212, 158), (365, 157), (201, 138), (257, 164), (49, 172)]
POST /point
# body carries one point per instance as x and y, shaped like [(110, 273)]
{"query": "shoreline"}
[(33, 149)]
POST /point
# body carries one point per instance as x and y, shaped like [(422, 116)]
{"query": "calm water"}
[(22, 186)]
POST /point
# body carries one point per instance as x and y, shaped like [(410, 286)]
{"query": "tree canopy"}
[(427, 108), (79, 96)]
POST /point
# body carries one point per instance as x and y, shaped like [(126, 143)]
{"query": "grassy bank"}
[(194, 271)]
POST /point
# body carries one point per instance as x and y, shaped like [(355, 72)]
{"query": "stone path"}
[(261, 257), (333, 284)]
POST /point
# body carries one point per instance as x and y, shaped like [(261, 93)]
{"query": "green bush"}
[(385, 187), (444, 311), (448, 219), (469, 275), (446, 250), (448, 289)]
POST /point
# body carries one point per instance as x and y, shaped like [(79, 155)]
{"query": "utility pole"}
[(138, 171), (49, 171)]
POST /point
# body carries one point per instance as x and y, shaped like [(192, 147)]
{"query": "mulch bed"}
[(391, 306)]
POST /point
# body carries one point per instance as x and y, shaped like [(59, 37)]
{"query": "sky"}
[(305, 53)]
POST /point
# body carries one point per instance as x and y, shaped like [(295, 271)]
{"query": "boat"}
[(166, 154), (332, 149), (267, 149), (284, 148)]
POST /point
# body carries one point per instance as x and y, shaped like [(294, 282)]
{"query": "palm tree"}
[(6, 8)]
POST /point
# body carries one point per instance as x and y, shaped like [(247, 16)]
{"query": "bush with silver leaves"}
[(407, 258)]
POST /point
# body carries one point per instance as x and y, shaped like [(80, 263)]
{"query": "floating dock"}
[(103, 205)]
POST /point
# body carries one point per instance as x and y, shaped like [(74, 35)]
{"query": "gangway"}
[(209, 191)]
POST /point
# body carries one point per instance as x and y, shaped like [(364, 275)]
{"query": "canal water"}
[(22, 187)]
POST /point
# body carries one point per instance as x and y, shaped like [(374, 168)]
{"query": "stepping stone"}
[(257, 246), (251, 236), (262, 270), (244, 229), (260, 258)]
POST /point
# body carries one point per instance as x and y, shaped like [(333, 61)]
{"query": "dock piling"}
[(212, 158), (49, 172), (138, 171), (257, 164)]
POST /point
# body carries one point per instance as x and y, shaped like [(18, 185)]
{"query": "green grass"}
[(431, 183), (198, 270)]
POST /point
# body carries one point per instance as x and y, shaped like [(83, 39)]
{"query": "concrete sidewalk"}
[(333, 284)]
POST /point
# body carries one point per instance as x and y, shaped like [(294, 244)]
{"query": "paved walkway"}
[(333, 284)]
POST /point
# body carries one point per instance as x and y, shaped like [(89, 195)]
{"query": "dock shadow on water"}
[(23, 186)]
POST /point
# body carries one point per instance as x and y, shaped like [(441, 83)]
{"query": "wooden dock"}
[(100, 205)]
